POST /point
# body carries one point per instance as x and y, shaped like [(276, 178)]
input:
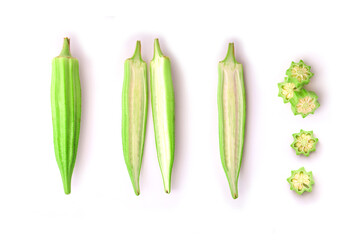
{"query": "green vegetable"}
[(304, 142), (232, 116), (134, 114), (303, 102), (66, 111), (163, 111), (301, 181), (299, 74), (286, 90)]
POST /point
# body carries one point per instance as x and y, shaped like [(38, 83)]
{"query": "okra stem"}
[(65, 52), (157, 50), (230, 56), (137, 53)]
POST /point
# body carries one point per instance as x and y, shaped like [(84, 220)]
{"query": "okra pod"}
[(232, 116), (66, 111), (163, 111), (134, 114)]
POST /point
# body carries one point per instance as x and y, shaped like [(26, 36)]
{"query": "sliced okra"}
[(301, 181), (304, 142), (286, 90), (304, 102), (299, 73)]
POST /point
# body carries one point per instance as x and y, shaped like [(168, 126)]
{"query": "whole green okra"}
[(66, 111)]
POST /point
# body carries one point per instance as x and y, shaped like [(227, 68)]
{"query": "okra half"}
[(232, 116), (163, 111), (134, 114), (66, 111)]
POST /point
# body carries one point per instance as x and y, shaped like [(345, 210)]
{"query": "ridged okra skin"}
[(163, 110), (232, 116), (66, 111), (134, 114)]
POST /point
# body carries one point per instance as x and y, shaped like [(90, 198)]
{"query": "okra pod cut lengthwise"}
[(134, 114), (66, 111), (232, 116), (163, 110)]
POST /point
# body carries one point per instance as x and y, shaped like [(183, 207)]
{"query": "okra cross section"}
[(304, 103), (304, 142), (292, 90), (301, 181), (232, 116), (299, 73)]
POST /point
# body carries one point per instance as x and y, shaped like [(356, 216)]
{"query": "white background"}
[(268, 35)]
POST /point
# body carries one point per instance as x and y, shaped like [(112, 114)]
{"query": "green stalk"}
[(134, 114), (232, 116), (66, 111), (163, 110)]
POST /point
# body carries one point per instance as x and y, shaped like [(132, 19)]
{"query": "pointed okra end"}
[(137, 53), (234, 191), (233, 184), (304, 142), (136, 189), (167, 186), (67, 186), (301, 181), (135, 183), (65, 52), (67, 190)]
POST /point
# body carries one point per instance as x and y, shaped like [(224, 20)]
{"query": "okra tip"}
[(137, 53), (137, 191), (167, 185), (136, 188), (67, 187), (65, 52), (157, 50), (234, 190)]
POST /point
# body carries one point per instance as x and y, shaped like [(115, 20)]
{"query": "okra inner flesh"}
[(232, 116), (232, 121), (134, 115), (163, 110), (161, 123)]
